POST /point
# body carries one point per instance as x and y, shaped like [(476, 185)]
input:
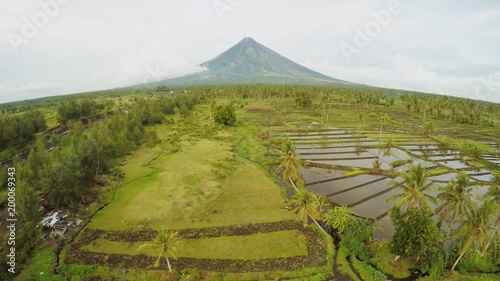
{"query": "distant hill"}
[(249, 62)]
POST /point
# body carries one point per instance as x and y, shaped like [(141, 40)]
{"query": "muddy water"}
[(333, 150), (386, 230), (375, 207), (334, 145), (444, 157), (313, 174), (334, 157), (340, 185), (366, 195), (351, 197), (444, 177), (454, 164), (487, 177), (361, 163)]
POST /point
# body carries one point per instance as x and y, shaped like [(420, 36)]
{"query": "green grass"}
[(386, 262), (280, 244), (366, 271), (184, 189), (456, 276), (343, 264), (354, 173), (40, 266), (437, 172), (164, 188)]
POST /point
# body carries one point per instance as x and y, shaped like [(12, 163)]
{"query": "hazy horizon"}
[(55, 47)]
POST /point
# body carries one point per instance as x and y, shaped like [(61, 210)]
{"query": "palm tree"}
[(338, 218), (414, 188), (494, 195), (383, 118), (307, 204), (289, 163), (429, 129), (475, 228), (456, 199), (165, 242)]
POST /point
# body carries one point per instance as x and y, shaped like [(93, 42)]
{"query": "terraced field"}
[(230, 215), (328, 152)]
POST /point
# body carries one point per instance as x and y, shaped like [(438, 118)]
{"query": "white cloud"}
[(35, 87), (407, 72), (478, 17), (125, 41)]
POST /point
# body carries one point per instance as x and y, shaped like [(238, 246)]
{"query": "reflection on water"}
[(366, 194)]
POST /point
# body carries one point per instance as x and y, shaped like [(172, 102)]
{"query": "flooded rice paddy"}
[(330, 152)]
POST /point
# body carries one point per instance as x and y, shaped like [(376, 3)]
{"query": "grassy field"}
[(211, 185), (195, 181), (280, 244)]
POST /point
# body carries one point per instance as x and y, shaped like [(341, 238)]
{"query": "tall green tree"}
[(355, 232), (289, 163), (225, 115), (414, 188), (304, 203), (417, 236), (475, 228), (456, 199), (493, 194)]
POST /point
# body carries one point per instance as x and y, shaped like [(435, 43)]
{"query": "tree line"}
[(18, 130), (66, 176)]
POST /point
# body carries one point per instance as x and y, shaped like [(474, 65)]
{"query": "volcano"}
[(250, 62)]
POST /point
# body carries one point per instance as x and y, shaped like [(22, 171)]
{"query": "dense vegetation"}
[(17, 131), (83, 164)]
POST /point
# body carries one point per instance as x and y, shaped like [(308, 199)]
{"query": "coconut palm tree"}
[(165, 242), (307, 204), (456, 199), (475, 228), (304, 203), (383, 119), (494, 195), (414, 187), (289, 163)]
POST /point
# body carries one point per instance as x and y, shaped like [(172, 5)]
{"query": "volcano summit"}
[(250, 62)]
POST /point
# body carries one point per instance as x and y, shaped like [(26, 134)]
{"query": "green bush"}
[(225, 115), (416, 235)]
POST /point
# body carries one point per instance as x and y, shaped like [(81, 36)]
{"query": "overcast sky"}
[(445, 47)]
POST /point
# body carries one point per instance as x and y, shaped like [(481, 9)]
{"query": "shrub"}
[(416, 235), (225, 115)]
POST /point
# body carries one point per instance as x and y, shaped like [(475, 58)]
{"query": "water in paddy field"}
[(444, 177), (455, 164), (367, 194)]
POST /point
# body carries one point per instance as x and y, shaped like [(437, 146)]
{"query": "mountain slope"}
[(250, 62)]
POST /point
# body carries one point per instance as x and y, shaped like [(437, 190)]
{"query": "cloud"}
[(127, 42), (35, 87), (27, 91), (479, 17), (408, 72)]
